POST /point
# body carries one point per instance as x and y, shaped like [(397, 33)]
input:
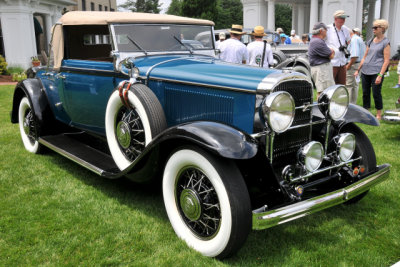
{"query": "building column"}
[(295, 15), (254, 13), (371, 18), (19, 48), (360, 8), (48, 23), (271, 15), (385, 7), (300, 19), (313, 14)]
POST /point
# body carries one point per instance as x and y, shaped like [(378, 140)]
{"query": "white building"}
[(18, 42), (305, 13)]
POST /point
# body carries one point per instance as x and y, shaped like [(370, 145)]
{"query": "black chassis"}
[(220, 139)]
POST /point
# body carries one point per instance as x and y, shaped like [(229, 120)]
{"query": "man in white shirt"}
[(232, 50), (222, 38), (294, 37), (338, 37), (357, 51), (259, 50)]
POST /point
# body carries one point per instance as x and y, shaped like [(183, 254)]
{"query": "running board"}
[(86, 156)]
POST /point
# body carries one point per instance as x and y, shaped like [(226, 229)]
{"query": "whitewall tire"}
[(129, 131), (28, 126), (207, 202)]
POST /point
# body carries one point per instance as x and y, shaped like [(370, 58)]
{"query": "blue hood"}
[(202, 70)]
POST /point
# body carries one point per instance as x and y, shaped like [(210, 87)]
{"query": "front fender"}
[(354, 113), (222, 139)]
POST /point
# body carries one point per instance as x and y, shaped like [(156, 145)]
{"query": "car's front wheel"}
[(207, 202), (28, 126)]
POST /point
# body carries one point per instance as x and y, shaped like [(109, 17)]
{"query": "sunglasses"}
[(375, 27)]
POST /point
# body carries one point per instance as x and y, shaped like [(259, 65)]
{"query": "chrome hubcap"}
[(191, 205), (123, 134)]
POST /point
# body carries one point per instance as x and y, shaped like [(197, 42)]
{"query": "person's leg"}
[(341, 76), (335, 73), (366, 89), (351, 84), (377, 94)]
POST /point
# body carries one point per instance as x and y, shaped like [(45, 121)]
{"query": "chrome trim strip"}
[(263, 220), (205, 85), (268, 84), (307, 124), (66, 69), (160, 63), (71, 157)]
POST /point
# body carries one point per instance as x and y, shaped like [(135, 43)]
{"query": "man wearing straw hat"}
[(232, 50), (260, 53)]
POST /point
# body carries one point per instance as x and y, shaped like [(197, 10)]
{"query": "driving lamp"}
[(346, 146), (334, 102), (278, 109), (311, 156)]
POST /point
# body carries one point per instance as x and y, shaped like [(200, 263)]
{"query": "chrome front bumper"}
[(392, 116), (266, 219)]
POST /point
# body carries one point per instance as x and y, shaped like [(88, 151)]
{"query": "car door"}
[(87, 87)]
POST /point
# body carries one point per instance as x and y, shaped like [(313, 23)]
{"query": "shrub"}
[(13, 70), (17, 77), (3, 66)]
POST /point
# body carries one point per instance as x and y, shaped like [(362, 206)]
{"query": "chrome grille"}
[(290, 141)]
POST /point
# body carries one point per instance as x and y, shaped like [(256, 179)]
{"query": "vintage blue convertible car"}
[(145, 96)]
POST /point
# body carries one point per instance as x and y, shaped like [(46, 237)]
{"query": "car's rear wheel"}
[(207, 202), (28, 126), (130, 129), (364, 149)]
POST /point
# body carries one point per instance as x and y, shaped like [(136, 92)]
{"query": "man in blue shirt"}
[(357, 51)]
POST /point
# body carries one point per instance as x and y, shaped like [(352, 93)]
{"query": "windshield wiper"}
[(136, 44), (188, 48)]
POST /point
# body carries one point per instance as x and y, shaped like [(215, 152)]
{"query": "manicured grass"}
[(54, 212)]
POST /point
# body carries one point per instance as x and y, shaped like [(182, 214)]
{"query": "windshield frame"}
[(117, 49)]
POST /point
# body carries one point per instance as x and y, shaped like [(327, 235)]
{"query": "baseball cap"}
[(320, 25), (222, 36), (357, 30)]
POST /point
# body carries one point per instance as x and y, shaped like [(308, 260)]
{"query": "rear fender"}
[(33, 89)]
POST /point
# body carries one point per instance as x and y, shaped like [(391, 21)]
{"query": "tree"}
[(283, 17), (147, 6), (224, 13), (175, 8), (229, 12)]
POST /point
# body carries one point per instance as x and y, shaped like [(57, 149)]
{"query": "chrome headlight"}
[(278, 110), (311, 155), (346, 146), (334, 102)]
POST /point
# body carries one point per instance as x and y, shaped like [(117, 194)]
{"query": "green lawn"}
[(54, 212)]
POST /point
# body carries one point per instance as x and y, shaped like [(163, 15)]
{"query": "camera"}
[(346, 52)]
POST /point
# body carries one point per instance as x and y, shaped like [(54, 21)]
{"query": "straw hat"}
[(340, 14), (259, 31), (237, 29)]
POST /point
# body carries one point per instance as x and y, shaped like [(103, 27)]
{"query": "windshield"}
[(149, 38)]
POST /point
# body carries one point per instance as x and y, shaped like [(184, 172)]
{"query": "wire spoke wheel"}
[(130, 133), (198, 203)]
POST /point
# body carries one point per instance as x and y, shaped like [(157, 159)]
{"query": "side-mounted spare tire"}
[(130, 128), (278, 56)]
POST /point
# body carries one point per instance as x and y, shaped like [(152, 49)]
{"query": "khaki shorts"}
[(322, 76), (398, 68)]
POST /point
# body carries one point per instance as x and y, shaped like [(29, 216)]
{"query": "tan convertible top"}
[(104, 18)]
